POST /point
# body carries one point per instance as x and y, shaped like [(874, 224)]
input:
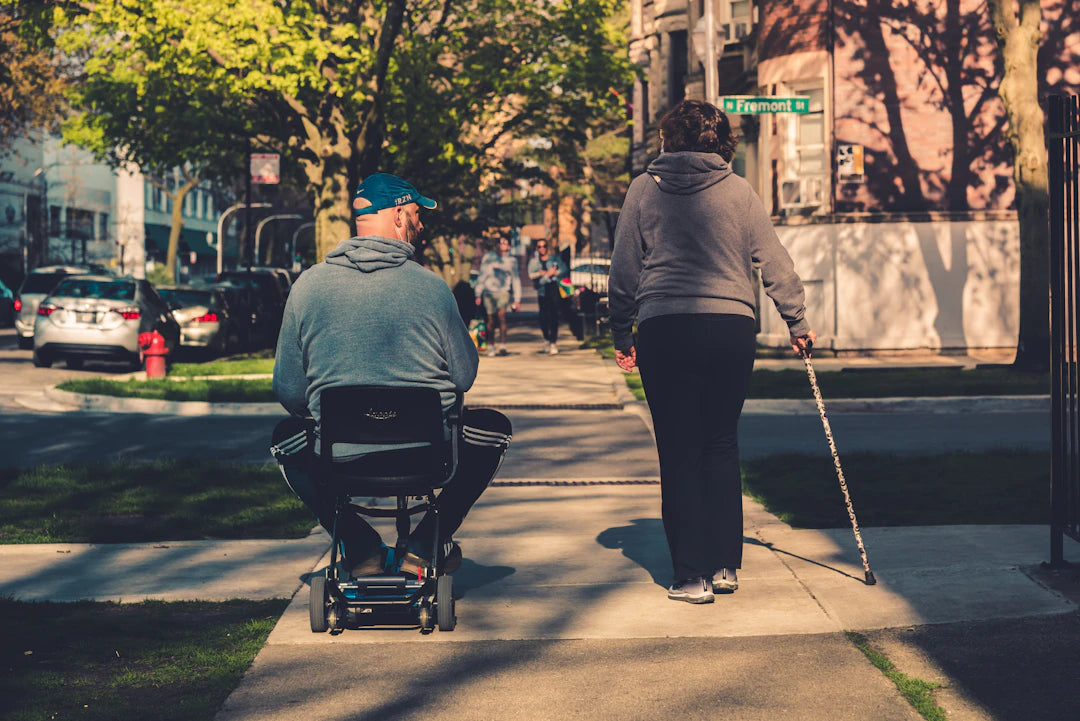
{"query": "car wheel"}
[(41, 360), (26, 343), (74, 363)]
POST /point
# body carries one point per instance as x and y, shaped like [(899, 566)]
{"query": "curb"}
[(625, 399)]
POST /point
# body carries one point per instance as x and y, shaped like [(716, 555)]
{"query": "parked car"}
[(267, 287), (7, 306), (205, 318), (256, 322), (100, 317), (284, 278), (591, 273), (38, 284)]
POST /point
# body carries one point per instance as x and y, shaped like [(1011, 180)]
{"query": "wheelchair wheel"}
[(444, 603), (317, 605), (427, 620)]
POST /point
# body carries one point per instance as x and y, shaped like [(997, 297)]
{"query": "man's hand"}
[(801, 344), (515, 306), (628, 360), (479, 300)]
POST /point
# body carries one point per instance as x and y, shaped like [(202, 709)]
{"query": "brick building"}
[(894, 193)]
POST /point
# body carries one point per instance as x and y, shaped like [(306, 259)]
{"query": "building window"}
[(678, 65), (54, 221), (806, 169), (103, 226), (736, 18), (80, 223)]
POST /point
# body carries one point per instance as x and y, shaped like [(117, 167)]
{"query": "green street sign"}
[(763, 105)]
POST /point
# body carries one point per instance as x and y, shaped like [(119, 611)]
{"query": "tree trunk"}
[(1018, 38), (177, 197)]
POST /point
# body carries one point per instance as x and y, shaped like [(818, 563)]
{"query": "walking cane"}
[(805, 353)]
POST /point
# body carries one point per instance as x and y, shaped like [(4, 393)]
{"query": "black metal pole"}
[(1055, 176), (248, 237)]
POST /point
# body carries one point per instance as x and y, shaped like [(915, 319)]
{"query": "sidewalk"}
[(562, 612)]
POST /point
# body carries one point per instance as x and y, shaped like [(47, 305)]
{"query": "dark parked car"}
[(255, 321), (38, 284), (7, 306), (100, 317), (267, 288), (205, 317)]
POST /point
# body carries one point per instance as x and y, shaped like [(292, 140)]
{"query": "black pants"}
[(486, 437), (695, 369), (549, 313)]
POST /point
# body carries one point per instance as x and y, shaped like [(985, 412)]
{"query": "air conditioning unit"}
[(741, 30), (807, 191)]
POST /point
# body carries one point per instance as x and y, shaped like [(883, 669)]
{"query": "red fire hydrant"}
[(152, 346)]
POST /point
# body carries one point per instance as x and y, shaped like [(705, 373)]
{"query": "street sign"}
[(265, 168), (764, 105)]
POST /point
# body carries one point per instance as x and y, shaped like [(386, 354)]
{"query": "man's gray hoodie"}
[(369, 316), (689, 234)]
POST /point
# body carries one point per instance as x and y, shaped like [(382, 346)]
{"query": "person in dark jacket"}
[(688, 238)]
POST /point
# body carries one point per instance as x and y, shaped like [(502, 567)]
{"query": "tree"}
[(32, 75), (1017, 25)]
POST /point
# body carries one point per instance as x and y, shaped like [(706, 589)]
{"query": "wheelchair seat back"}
[(386, 415)]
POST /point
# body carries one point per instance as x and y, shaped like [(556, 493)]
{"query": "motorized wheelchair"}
[(386, 415)]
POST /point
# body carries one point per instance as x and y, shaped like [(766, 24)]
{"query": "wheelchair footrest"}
[(381, 590)]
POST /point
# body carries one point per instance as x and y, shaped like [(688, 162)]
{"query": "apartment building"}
[(892, 186)]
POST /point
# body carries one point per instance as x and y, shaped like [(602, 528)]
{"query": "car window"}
[(182, 298), (106, 289)]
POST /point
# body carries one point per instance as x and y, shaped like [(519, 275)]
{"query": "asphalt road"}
[(547, 444)]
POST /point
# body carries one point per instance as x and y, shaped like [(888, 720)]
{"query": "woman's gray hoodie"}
[(689, 234)]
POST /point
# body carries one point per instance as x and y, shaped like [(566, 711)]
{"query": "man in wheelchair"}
[(370, 315)]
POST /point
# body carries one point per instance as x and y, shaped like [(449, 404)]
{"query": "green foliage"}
[(118, 503), (919, 693), (232, 390), (180, 659)]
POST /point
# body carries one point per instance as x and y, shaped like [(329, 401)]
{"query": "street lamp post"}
[(292, 245), (221, 226), (262, 224), (705, 47)]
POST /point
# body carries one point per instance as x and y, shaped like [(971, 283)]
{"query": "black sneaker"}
[(691, 590), (725, 580)]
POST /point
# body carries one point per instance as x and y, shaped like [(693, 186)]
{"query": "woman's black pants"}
[(549, 313), (695, 369)]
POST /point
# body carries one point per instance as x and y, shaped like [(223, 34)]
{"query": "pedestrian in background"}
[(688, 237), (498, 287), (545, 271)]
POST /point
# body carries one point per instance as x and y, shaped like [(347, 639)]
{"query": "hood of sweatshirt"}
[(370, 253), (686, 173)]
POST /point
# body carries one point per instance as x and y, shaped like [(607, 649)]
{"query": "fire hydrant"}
[(152, 346)]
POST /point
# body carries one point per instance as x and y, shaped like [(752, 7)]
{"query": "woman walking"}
[(545, 271), (689, 234)]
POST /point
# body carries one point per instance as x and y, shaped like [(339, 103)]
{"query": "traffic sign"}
[(265, 168), (764, 105)]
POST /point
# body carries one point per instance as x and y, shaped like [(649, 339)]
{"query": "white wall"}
[(900, 286)]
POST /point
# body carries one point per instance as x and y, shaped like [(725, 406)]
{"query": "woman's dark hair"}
[(697, 126)]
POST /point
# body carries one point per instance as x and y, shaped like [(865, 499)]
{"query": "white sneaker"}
[(691, 590), (725, 580), (490, 351), (553, 349), (547, 347)]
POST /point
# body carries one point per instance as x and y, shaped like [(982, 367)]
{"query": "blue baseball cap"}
[(383, 191)]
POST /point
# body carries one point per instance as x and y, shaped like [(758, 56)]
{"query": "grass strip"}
[(995, 487), (107, 661), (143, 502), (234, 366), (233, 390), (919, 693)]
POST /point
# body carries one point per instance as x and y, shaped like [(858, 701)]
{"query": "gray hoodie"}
[(689, 234), (369, 316)]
